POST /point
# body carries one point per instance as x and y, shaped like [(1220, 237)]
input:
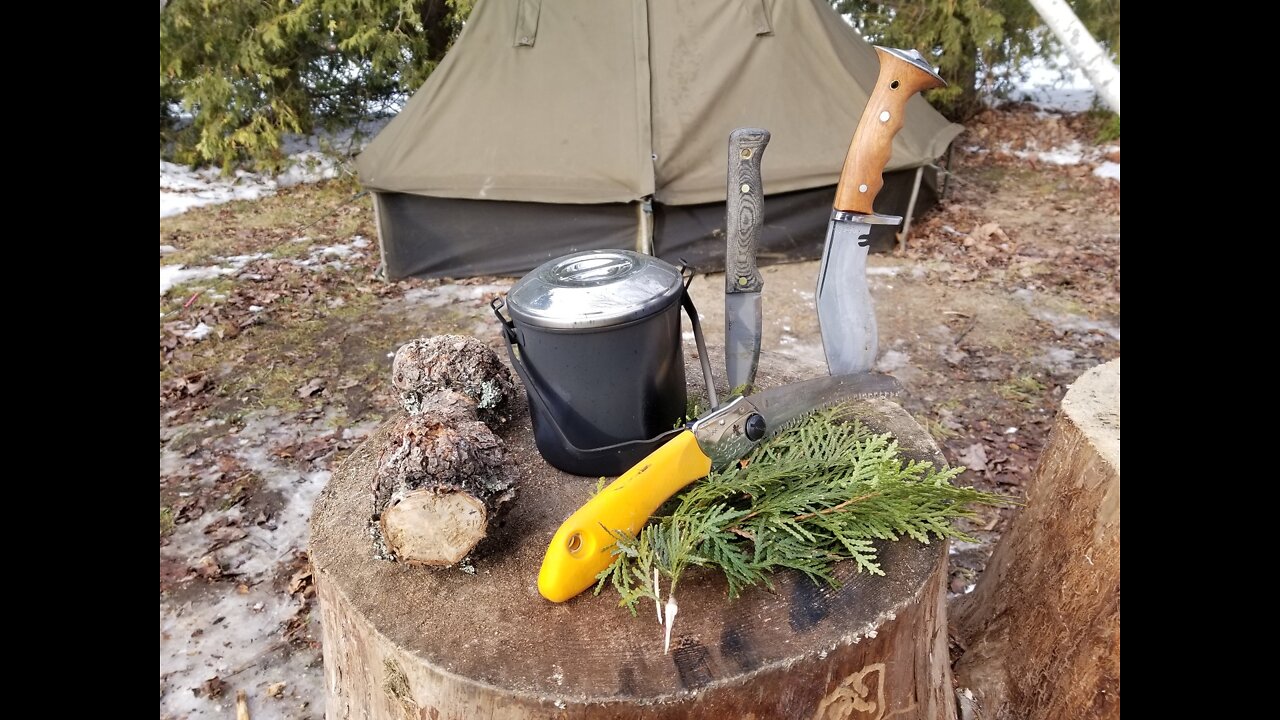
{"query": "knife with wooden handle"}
[(845, 313), (744, 216)]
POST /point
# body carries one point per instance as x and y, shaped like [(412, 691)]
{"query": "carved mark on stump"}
[(853, 699)]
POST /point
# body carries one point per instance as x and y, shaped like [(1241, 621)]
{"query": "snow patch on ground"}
[(236, 630), (335, 256), (893, 360), (451, 294), (171, 275), (311, 159), (1063, 322), (182, 188), (1049, 88), (237, 636), (1073, 154), (1108, 169)]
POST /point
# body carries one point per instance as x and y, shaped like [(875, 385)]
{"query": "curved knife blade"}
[(846, 315), (744, 216)]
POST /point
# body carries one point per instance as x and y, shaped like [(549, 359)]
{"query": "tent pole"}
[(644, 225), (946, 174), (382, 245), (911, 210)]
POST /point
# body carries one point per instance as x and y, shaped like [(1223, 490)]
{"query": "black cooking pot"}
[(595, 336)]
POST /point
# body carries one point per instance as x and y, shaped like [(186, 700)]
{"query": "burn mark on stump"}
[(809, 604), (627, 681), (736, 644), (692, 662)]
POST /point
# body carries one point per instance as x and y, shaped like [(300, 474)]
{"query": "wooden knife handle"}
[(862, 176), (744, 210)]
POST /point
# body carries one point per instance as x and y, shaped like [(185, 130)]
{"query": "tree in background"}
[(237, 75), (977, 45)]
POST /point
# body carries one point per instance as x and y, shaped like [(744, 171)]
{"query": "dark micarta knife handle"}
[(744, 212)]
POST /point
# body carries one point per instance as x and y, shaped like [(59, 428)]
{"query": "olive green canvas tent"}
[(569, 125)]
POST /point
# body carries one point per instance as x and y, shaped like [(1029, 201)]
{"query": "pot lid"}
[(595, 288)]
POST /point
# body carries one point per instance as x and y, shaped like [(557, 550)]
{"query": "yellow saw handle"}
[(580, 549)]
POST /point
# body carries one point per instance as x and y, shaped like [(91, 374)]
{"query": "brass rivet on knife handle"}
[(862, 176), (745, 211)]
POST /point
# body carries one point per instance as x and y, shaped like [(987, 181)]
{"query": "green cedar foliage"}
[(972, 41), (248, 72), (819, 492)]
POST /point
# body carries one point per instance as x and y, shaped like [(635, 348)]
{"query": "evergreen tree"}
[(249, 71)]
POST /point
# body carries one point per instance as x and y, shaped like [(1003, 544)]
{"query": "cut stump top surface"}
[(1093, 403), (493, 628)]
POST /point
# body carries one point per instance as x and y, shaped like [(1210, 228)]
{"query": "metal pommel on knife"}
[(744, 216), (845, 313)]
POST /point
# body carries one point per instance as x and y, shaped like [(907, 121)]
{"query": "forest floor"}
[(276, 335)]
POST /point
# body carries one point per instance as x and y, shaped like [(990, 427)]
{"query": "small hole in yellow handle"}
[(574, 543)]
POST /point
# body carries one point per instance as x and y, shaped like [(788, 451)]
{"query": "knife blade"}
[(846, 315), (579, 551), (744, 216)]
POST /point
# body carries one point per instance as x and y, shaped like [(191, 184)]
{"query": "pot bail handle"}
[(686, 300)]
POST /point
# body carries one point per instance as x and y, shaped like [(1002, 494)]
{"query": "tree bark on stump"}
[(1041, 631), (405, 642)]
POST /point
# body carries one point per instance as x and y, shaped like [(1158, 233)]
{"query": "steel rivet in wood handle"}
[(862, 188), (746, 188), (884, 116)]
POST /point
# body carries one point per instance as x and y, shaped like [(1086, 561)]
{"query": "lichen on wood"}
[(454, 362), (442, 476)]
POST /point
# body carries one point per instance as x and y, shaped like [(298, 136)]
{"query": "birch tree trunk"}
[(1084, 51)]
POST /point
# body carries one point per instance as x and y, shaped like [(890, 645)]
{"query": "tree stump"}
[(1041, 631), (409, 642)]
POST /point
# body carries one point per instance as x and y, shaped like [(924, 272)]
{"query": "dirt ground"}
[(276, 337)]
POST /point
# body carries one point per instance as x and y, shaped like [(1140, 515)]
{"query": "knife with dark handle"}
[(744, 216)]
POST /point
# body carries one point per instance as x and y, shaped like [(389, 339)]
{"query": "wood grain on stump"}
[(408, 642), (1041, 631)]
